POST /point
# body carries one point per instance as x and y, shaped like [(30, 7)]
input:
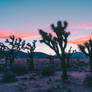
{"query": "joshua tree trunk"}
[(91, 64), (31, 49), (11, 61), (68, 62), (64, 68), (31, 61), (64, 75), (12, 58)]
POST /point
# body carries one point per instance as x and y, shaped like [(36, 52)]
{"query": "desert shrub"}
[(9, 77), (1, 68), (19, 69), (48, 71), (88, 80)]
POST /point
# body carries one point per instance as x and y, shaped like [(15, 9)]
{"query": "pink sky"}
[(80, 39)]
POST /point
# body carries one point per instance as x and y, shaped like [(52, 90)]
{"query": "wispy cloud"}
[(81, 39), (5, 34), (77, 42), (83, 27)]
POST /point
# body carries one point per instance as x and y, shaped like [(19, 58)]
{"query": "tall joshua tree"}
[(57, 43), (15, 45), (31, 49), (87, 50)]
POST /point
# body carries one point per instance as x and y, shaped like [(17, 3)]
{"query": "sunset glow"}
[(4, 35), (24, 18)]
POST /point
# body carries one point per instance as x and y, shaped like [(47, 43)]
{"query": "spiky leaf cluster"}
[(31, 47), (86, 48), (15, 43), (70, 52), (58, 41)]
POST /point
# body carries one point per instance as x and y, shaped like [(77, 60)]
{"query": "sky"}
[(24, 18)]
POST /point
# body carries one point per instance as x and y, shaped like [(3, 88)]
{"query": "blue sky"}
[(24, 17)]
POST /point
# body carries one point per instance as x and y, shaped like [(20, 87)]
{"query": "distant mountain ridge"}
[(44, 55), (36, 55), (79, 55)]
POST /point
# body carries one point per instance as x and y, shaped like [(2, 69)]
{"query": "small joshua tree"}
[(57, 43), (15, 45), (31, 49), (50, 59), (69, 55), (3, 53), (87, 50), (3, 48)]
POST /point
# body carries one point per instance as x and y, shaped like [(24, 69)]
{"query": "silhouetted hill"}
[(40, 55), (79, 55), (44, 55), (36, 55), (22, 55)]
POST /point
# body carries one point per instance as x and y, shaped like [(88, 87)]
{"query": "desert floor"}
[(34, 82)]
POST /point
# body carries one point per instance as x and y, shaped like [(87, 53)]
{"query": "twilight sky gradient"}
[(23, 18)]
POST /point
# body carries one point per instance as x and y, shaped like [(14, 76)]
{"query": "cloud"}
[(83, 27), (81, 39), (4, 35), (74, 32), (77, 42)]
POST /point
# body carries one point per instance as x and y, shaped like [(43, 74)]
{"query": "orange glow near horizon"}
[(4, 35), (77, 42), (81, 39)]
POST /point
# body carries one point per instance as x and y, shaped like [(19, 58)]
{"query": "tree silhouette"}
[(31, 49), (87, 50), (15, 45), (57, 43), (3, 51), (50, 59), (69, 55)]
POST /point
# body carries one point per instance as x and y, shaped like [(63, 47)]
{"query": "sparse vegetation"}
[(69, 55), (88, 80), (9, 77), (48, 71), (87, 50), (15, 45), (51, 59), (19, 69), (30, 51)]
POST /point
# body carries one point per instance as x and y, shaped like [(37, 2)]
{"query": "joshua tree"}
[(15, 45), (2, 50), (31, 49), (50, 59), (87, 50), (57, 43), (69, 55)]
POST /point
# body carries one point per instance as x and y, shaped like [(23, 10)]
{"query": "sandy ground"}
[(37, 83)]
